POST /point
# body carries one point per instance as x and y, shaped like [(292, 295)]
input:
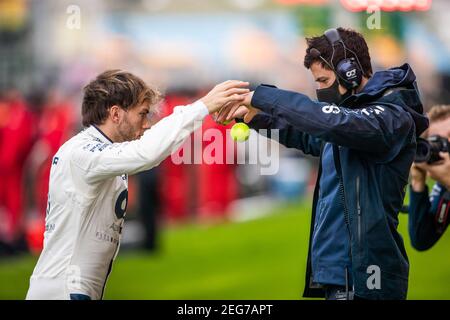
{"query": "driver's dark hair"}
[(115, 87), (352, 39)]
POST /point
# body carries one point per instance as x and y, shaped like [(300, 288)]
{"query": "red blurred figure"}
[(56, 125), (207, 189), (17, 132), (218, 185), (175, 178)]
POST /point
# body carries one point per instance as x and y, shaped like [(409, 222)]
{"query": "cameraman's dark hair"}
[(353, 40), (115, 87), (439, 113)]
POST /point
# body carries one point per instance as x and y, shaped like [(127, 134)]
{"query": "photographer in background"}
[(429, 215)]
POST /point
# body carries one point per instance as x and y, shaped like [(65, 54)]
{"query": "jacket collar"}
[(98, 134)]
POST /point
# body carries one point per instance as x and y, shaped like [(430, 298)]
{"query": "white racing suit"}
[(87, 200)]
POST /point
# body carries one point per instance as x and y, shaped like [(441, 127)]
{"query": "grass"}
[(259, 259)]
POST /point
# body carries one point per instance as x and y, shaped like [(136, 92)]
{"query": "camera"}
[(428, 149)]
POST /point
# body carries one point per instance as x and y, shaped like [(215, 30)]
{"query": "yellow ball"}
[(240, 132)]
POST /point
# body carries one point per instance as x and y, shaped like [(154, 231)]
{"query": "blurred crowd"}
[(31, 130)]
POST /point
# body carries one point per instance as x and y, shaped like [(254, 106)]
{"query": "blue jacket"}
[(428, 217), (374, 141), (330, 246)]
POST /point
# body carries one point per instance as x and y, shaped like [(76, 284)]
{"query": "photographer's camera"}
[(428, 149)]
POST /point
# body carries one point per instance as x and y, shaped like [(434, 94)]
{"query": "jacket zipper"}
[(346, 216), (342, 192), (309, 282), (358, 206)]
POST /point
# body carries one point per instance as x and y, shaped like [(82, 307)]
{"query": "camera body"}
[(428, 149)]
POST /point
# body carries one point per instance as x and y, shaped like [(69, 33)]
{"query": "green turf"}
[(259, 259)]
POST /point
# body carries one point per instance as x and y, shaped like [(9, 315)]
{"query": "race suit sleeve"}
[(156, 144)]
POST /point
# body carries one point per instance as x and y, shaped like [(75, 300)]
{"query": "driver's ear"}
[(114, 114)]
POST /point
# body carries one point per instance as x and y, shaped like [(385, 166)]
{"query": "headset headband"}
[(333, 36)]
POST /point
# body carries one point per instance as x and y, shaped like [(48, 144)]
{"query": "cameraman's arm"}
[(288, 135), (375, 129), (428, 216)]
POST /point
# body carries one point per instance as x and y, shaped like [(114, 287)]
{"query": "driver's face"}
[(134, 123)]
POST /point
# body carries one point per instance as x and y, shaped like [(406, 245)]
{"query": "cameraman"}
[(428, 216)]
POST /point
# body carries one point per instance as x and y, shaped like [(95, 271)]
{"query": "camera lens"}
[(423, 151)]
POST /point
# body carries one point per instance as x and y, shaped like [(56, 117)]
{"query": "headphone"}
[(349, 70)]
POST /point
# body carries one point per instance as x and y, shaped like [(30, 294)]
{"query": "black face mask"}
[(332, 94)]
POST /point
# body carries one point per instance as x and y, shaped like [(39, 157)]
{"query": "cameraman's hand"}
[(231, 91), (441, 170), (418, 177)]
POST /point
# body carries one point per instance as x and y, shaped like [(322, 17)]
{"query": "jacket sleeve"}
[(287, 134), (374, 128), (427, 217), (102, 162)]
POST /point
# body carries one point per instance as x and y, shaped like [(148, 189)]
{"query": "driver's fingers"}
[(232, 111), (233, 84), (220, 114), (232, 91)]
